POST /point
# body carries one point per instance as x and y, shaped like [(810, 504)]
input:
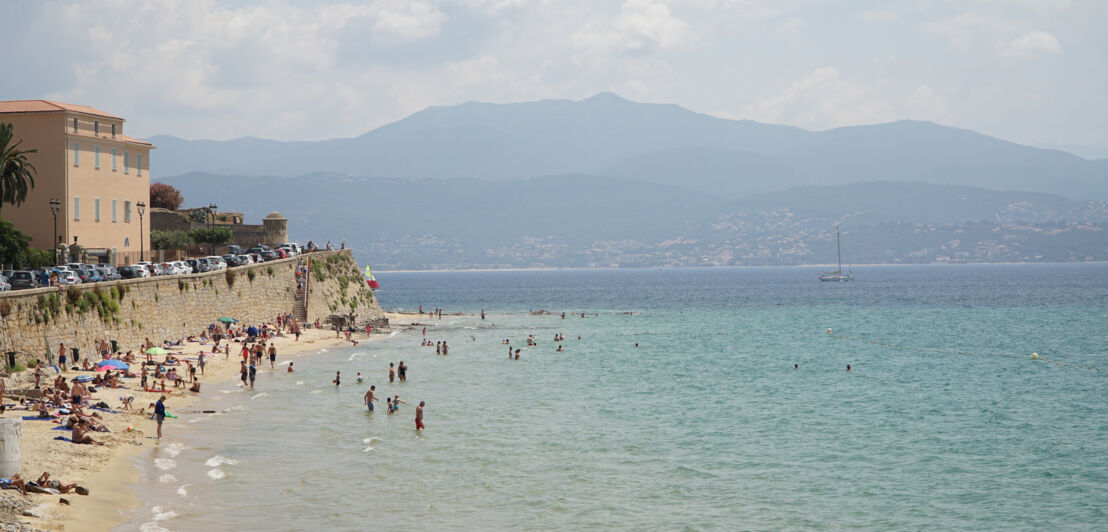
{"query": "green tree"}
[(16, 251), (16, 174), (214, 236), (170, 239)]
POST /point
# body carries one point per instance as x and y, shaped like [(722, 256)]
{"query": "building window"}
[(76, 154), (114, 160), (96, 157), (113, 131), (96, 209), (126, 211), (75, 128), (96, 127), (126, 163), (126, 241), (138, 164), (76, 208), (113, 212)]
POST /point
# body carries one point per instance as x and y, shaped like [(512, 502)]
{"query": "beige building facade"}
[(99, 174)]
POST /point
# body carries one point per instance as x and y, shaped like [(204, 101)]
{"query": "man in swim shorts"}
[(369, 397), (419, 416)]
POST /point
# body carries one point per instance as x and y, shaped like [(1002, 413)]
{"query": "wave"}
[(174, 449), (165, 464), (263, 394), (216, 474), (219, 460), (183, 491), (167, 478)]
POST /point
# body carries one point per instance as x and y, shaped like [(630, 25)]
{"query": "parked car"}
[(259, 248), (234, 250), (270, 255), (183, 267), (246, 259), (288, 250), (127, 272), (67, 277), (4, 284), (258, 259), (143, 270), (232, 260), (216, 263), (107, 273), (22, 279)]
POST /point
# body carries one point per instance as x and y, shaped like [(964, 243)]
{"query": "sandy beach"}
[(106, 470)]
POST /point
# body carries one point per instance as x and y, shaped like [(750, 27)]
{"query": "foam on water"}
[(182, 490), (165, 464), (161, 514), (167, 478), (216, 474), (174, 449), (263, 394), (219, 460)]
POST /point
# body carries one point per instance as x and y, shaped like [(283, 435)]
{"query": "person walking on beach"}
[(272, 355), (202, 360), (392, 372), (159, 414), (369, 397), (61, 357), (419, 416)]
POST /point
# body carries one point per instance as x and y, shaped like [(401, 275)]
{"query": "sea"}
[(683, 399)]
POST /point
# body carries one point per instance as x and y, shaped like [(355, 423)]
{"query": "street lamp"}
[(211, 211), (55, 205), (142, 243)]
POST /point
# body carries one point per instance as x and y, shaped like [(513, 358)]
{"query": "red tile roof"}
[(47, 106)]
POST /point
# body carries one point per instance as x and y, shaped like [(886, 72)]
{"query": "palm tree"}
[(16, 174)]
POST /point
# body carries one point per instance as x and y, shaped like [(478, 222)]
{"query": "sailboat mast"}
[(839, 248)]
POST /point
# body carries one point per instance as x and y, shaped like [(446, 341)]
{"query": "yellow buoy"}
[(1034, 356)]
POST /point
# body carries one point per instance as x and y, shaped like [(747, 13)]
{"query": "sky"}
[(1030, 71)]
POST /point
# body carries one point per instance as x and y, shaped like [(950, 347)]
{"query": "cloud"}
[(641, 25), (787, 29), (406, 20), (820, 100), (1033, 43)]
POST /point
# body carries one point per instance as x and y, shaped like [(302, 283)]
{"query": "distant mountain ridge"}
[(586, 221), (660, 143)]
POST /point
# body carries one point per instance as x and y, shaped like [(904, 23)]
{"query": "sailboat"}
[(369, 280), (837, 275)]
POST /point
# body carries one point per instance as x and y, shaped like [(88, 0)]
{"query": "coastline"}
[(110, 471)]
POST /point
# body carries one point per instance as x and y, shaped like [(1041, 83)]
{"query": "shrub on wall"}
[(230, 277)]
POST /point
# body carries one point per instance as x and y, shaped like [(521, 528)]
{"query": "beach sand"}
[(107, 470)]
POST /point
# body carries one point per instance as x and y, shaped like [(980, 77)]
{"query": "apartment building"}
[(99, 175)]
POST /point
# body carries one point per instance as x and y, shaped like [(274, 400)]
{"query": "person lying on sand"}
[(45, 482), (80, 434), (18, 482)]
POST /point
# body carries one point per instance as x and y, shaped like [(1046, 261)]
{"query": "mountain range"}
[(609, 182), (606, 135)]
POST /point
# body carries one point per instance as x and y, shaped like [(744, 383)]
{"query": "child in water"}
[(388, 407), (359, 377)]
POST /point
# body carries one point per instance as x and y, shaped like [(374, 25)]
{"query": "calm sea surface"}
[(943, 424)]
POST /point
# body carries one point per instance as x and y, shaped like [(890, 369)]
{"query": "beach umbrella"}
[(156, 351), (112, 363), (225, 319)]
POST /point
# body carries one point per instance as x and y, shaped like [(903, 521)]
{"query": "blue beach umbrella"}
[(118, 364)]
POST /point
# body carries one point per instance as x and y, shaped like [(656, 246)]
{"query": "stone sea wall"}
[(33, 322)]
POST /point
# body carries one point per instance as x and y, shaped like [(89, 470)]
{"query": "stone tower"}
[(276, 228)]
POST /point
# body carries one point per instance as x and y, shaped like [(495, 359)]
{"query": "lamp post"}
[(211, 212), (142, 242), (55, 205)]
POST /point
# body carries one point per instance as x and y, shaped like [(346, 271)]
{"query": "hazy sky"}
[(1032, 71)]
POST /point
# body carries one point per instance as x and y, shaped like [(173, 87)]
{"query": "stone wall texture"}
[(33, 322)]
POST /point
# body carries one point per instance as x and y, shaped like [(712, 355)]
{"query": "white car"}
[(291, 249), (182, 267), (216, 263), (246, 259), (143, 270)]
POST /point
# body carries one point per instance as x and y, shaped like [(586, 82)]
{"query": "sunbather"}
[(45, 482)]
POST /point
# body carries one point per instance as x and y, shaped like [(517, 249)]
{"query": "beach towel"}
[(104, 410), (36, 418), (61, 427), (63, 438)]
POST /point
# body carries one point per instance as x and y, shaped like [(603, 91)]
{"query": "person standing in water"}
[(369, 397), (159, 414), (445, 348), (338, 378), (402, 371), (392, 372), (419, 416)]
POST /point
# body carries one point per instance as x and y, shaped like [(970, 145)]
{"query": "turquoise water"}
[(704, 426)]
